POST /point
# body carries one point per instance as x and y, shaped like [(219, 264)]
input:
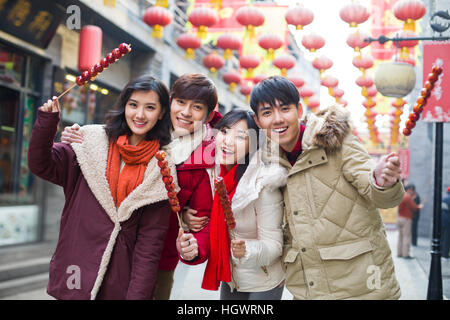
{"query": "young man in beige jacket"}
[(335, 243)]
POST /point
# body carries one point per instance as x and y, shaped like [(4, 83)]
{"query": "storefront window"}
[(11, 66), (19, 211)]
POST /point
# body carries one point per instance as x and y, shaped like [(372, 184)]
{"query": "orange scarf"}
[(218, 267), (136, 158)]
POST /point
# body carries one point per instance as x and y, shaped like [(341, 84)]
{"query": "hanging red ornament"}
[(299, 16), (157, 18), (189, 42), (202, 18), (284, 62), (229, 43), (354, 14)]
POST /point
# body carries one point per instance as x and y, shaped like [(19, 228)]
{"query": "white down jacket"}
[(258, 210)]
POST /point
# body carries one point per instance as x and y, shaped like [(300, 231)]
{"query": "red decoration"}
[(408, 11), (322, 63), (329, 82), (364, 82), (313, 103), (270, 42), (299, 17), (232, 78), (202, 18), (189, 43), (229, 42), (250, 17), (405, 59), (356, 40), (257, 79), (249, 62), (363, 62), (338, 93), (313, 42), (354, 14), (246, 89), (90, 48), (213, 62), (284, 62), (305, 93), (157, 18), (372, 91), (297, 80)]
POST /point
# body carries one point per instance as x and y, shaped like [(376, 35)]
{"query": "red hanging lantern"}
[(250, 17), (299, 17), (409, 11), (330, 82), (363, 62), (313, 103), (157, 18), (202, 18), (249, 62), (213, 62), (260, 77), (232, 78), (406, 44), (364, 82), (343, 102), (354, 14), (284, 62), (90, 47), (229, 43), (297, 80), (369, 103), (313, 42), (189, 42), (356, 40), (246, 90), (270, 42), (322, 63), (305, 93), (372, 91), (338, 93)]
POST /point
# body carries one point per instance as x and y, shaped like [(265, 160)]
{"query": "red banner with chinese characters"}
[(437, 108), (403, 155)]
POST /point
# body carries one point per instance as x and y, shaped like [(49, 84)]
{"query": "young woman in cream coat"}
[(253, 270)]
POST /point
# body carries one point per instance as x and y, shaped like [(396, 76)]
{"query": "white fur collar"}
[(257, 176), (92, 156), (181, 148)]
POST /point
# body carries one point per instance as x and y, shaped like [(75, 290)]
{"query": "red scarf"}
[(136, 158), (218, 267)]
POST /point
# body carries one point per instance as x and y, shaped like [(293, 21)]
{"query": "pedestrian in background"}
[(404, 222), (446, 225)]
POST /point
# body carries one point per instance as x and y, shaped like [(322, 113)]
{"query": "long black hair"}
[(116, 124), (230, 119)]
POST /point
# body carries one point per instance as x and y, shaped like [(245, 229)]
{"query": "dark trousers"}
[(414, 227), (445, 238)]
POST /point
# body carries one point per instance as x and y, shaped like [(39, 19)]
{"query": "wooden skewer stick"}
[(71, 87)]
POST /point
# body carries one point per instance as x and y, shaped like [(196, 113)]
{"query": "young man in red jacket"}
[(193, 99)]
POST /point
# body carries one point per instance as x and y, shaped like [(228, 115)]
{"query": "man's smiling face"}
[(280, 122)]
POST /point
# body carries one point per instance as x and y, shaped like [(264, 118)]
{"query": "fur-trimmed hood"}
[(257, 176), (326, 129)]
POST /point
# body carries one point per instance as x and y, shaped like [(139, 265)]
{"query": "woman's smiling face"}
[(232, 143), (142, 112)]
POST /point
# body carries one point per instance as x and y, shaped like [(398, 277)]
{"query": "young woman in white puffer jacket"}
[(257, 205)]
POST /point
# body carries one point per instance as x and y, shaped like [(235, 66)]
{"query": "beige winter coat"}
[(335, 241)]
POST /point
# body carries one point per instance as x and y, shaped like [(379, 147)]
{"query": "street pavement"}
[(412, 275)]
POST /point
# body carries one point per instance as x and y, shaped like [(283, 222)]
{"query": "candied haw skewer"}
[(225, 202), (422, 100), (95, 70), (168, 183)]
